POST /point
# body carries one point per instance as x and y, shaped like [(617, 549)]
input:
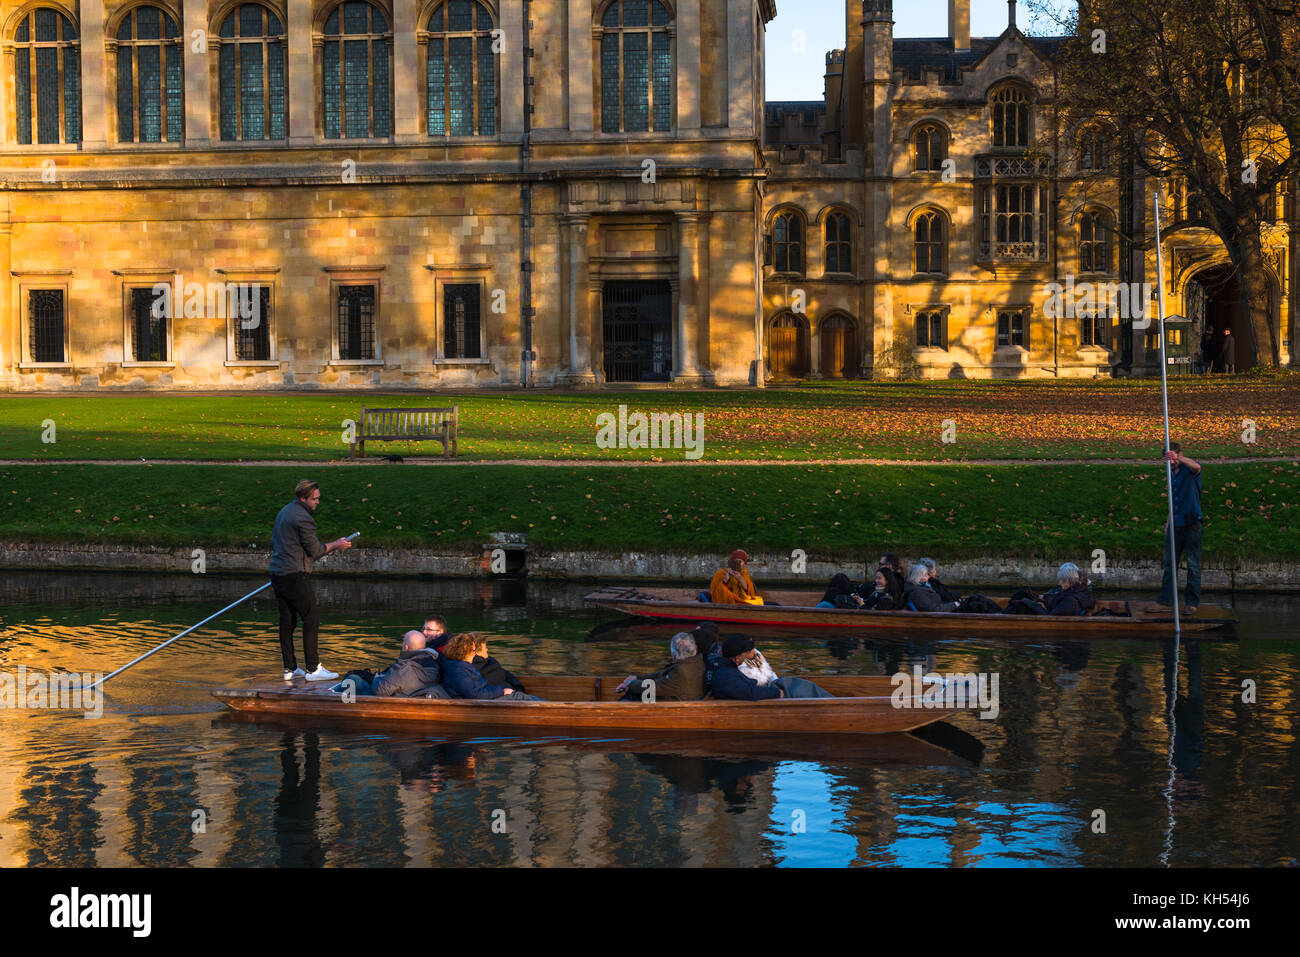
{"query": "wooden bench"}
[(407, 425)]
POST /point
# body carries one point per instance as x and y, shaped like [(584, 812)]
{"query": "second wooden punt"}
[(863, 705), (797, 609)]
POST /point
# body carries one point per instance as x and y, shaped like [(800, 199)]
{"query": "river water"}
[(1083, 764)]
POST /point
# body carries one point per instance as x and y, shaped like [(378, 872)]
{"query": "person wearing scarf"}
[(731, 585)]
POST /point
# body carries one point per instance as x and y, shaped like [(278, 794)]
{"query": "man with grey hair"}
[(945, 593), (919, 595), (416, 673), (681, 680), (1071, 597)]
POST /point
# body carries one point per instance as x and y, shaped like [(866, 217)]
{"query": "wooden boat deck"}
[(798, 609), (863, 705)]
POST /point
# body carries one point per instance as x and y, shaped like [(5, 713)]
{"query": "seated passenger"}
[(732, 585), (437, 635), (894, 577), (839, 593), (919, 596), (1071, 596), (877, 596), (415, 674), (461, 677), (745, 675), (681, 680), (945, 593)]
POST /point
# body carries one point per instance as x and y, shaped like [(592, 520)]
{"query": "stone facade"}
[(366, 244), (1010, 213)]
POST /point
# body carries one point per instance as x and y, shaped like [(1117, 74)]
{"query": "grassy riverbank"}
[(828, 511), (1103, 418)]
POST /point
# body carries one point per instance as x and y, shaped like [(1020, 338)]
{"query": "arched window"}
[(461, 74), (839, 244), (1010, 106), (1093, 154), (636, 68), (251, 75), (930, 143), (787, 241), (357, 72), (787, 347), (47, 78), (149, 78), (1094, 242), (931, 244)]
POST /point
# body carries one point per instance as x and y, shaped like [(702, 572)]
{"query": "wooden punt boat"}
[(863, 705), (797, 609)]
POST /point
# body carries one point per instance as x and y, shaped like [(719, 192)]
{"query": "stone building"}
[(220, 194), (924, 214), (357, 194)]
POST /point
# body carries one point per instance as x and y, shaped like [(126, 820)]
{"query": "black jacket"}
[(925, 598), (730, 683), (1074, 601), (878, 601), (945, 593), (411, 673)]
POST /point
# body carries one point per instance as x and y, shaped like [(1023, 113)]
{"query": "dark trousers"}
[(1187, 538), (294, 596)]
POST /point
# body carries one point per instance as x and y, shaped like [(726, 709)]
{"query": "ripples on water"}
[(1082, 727)]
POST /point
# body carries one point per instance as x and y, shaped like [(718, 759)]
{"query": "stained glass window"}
[(636, 68), (47, 79), (149, 78), (357, 72)]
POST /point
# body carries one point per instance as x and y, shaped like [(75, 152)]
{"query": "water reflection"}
[(1187, 772)]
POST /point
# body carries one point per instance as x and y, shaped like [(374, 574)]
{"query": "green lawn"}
[(829, 511), (1104, 418)]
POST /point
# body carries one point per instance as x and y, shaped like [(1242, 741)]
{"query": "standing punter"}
[(1187, 531), (294, 546)]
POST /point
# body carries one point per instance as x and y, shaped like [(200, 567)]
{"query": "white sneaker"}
[(320, 674), (296, 673)]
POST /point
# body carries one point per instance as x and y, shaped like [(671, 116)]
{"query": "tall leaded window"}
[(1093, 154), (461, 321), (1094, 243), (931, 244), (931, 146), (636, 68), (253, 336), (356, 322), (1010, 105), (839, 244), (149, 78), (47, 78), (357, 72), (45, 325), (462, 70), (787, 241), (148, 327), (254, 101)]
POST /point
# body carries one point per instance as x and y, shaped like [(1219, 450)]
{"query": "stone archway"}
[(1215, 294)]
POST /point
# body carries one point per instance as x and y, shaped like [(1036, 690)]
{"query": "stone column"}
[(581, 103), (740, 66), (10, 343), (94, 126), (688, 284), (580, 301), (406, 73), (302, 76), (689, 89), (512, 67), (198, 79), (587, 347)]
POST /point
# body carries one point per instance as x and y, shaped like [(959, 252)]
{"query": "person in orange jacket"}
[(732, 585)]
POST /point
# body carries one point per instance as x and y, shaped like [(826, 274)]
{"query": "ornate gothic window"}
[(636, 67), (1011, 126), (357, 72), (462, 70), (930, 144), (931, 244), (252, 75), (787, 238), (839, 244), (47, 78)]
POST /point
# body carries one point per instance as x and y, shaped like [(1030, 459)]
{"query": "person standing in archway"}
[(1228, 351)]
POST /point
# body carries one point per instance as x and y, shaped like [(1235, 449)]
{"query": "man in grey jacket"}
[(294, 546), (415, 673)]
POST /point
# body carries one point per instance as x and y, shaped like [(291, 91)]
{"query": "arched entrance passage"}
[(787, 347), (839, 347), (1214, 304)]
